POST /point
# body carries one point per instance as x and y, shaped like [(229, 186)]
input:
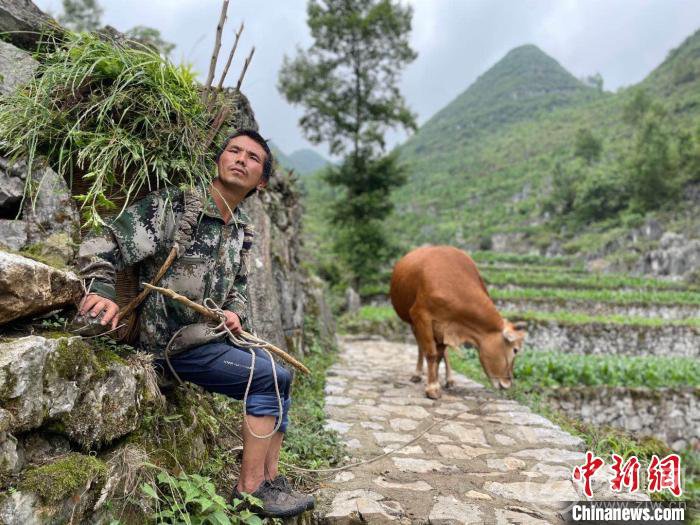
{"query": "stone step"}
[(470, 457)]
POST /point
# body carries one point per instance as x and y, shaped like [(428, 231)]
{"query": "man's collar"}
[(210, 209)]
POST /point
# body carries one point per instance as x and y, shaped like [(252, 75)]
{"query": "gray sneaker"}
[(283, 484), (277, 503)]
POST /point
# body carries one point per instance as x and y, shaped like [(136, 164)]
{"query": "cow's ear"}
[(509, 336), (520, 326)]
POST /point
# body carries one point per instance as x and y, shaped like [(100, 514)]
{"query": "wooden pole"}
[(230, 57), (245, 68), (215, 52), (210, 314)]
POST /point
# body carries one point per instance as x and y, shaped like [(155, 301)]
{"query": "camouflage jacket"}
[(214, 265)]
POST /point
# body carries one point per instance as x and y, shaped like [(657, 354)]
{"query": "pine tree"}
[(347, 83)]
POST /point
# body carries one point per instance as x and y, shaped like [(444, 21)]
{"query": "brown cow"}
[(439, 292)]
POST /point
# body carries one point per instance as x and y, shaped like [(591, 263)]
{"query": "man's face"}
[(241, 164)]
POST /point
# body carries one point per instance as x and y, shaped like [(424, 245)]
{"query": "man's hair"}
[(267, 165)]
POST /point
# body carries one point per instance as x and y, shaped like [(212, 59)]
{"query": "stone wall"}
[(611, 338), (670, 414), (661, 311)]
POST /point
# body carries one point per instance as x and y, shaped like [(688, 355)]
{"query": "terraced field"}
[(602, 350)]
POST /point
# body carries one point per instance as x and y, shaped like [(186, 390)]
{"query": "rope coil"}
[(247, 341)]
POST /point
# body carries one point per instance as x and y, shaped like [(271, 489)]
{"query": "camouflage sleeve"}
[(237, 299), (136, 234)]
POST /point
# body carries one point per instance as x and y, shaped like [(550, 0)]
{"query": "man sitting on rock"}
[(215, 266)]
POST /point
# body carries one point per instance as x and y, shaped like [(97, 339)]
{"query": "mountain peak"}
[(525, 82)]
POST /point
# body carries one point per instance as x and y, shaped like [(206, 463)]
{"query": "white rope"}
[(250, 344)]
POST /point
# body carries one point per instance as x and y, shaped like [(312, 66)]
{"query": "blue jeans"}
[(224, 369)]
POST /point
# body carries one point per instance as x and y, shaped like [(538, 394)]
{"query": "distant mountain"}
[(524, 83), (303, 161)]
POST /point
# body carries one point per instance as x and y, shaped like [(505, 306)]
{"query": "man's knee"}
[(284, 379)]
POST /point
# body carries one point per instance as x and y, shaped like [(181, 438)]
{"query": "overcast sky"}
[(456, 40)]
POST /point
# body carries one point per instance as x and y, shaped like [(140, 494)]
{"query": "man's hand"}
[(233, 322), (95, 304)]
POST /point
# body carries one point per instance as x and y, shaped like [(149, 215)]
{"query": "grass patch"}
[(514, 258), (121, 115), (307, 444), (553, 369)]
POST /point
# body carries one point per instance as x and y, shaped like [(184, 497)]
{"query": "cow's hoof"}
[(433, 391), (449, 383), (416, 378)]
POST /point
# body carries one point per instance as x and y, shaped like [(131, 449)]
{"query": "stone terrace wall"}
[(607, 338), (670, 414), (662, 311)]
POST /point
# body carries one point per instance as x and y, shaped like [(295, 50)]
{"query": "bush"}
[(599, 196)]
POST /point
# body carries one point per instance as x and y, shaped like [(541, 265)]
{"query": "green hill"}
[(497, 168), (487, 163), (522, 85)]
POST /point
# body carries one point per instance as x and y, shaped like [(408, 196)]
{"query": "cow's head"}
[(498, 350)]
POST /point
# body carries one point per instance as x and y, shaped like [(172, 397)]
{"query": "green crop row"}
[(553, 369), (380, 314), (556, 279), (643, 297)]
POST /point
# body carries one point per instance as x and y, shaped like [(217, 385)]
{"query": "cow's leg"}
[(449, 381), (423, 328), (416, 378)]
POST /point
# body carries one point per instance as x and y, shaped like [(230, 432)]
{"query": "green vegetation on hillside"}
[(531, 152)]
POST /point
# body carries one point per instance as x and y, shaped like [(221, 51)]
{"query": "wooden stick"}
[(144, 293), (215, 52), (230, 57), (245, 68), (216, 125), (206, 312)]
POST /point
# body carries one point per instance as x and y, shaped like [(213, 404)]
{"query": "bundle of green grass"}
[(115, 120)]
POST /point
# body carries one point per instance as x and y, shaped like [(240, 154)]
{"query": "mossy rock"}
[(68, 476)]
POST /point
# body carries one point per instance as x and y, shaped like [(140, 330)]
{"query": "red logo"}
[(626, 475), (665, 474), (586, 471)]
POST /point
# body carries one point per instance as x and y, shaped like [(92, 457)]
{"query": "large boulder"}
[(90, 397), (17, 67), (28, 287)]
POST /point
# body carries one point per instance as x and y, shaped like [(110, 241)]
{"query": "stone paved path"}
[(487, 460)]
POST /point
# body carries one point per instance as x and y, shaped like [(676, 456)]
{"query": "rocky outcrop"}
[(23, 23), (669, 414), (81, 425), (90, 397), (17, 66), (28, 287), (676, 256)]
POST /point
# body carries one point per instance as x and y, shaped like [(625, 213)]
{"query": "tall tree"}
[(81, 15), (347, 83)]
